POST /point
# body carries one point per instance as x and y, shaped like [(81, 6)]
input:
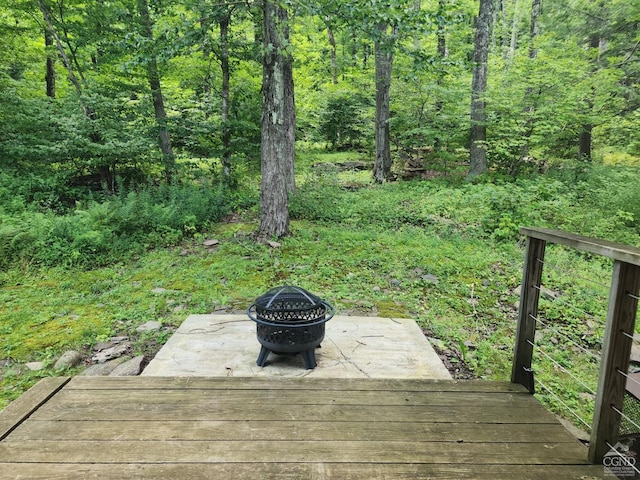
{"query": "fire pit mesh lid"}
[(290, 305)]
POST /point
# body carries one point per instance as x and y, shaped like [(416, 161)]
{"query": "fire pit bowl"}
[(290, 320)]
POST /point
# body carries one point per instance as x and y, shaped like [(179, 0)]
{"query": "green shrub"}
[(121, 226)]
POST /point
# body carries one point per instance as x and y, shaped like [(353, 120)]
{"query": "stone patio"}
[(353, 347)]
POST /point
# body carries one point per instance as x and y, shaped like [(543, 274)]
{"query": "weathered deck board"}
[(229, 430), (237, 428), (305, 471)]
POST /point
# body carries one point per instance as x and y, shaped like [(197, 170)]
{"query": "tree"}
[(478, 137), (50, 75), (153, 76), (383, 65), (278, 120)]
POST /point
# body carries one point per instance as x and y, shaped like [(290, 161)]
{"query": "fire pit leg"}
[(309, 357), (262, 357)]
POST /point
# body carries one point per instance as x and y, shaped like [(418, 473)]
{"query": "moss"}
[(391, 309)]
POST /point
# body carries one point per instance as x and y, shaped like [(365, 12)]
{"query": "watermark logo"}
[(620, 462)]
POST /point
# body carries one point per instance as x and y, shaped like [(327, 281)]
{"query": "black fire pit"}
[(290, 320)]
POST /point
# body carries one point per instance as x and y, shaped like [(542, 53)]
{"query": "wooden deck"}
[(284, 428)]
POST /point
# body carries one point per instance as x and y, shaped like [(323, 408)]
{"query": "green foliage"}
[(343, 118), (100, 233)]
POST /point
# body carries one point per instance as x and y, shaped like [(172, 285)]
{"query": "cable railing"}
[(605, 345)]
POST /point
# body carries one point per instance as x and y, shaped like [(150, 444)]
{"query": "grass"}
[(443, 252)]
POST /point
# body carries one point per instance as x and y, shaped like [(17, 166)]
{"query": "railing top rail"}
[(616, 251)]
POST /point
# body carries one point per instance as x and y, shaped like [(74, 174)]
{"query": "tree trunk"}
[(63, 55), (332, 44), (529, 109), (50, 75), (442, 54), (153, 76), (383, 66), (478, 137), (276, 122), (584, 153), (290, 123), (584, 144), (225, 20), (505, 31), (514, 31)]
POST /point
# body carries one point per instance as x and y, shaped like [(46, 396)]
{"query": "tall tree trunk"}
[(514, 31), (442, 54), (505, 31), (383, 66), (153, 76), (584, 152), (290, 123), (225, 20), (585, 139), (73, 78), (332, 44), (50, 75), (275, 151), (478, 136), (529, 109)]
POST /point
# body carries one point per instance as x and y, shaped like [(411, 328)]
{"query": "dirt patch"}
[(451, 358)]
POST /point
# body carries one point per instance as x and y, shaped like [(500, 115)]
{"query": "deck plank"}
[(229, 430), (18, 410), (297, 471), (236, 428), (289, 383), (171, 451)]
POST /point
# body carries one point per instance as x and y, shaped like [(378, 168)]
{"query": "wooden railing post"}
[(529, 296), (616, 349)]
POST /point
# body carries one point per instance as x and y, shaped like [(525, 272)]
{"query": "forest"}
[(384, 153)]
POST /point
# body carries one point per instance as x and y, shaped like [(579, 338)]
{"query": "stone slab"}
[(353, 347)]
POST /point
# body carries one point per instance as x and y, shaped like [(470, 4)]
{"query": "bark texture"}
[(277, 121), (153, 76), (224, 21), (50, 75), (478, 137), (383, 67)]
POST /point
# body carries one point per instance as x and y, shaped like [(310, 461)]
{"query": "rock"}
[(111, 353), (129, 368), (273, 244), (68, 359), (149, 326), (210, 243), (101, 369), (159, 290), (112, 342), (431, 279), (470, 345), (376, 289), (549, 294), (395, 282), (184, 253), (35, 366)]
